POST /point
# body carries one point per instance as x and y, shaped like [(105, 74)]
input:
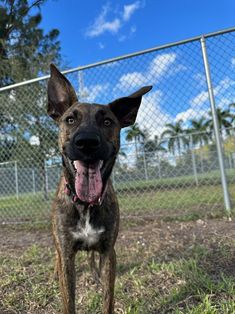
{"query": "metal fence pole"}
[(145, 167), (16, 180), (193, 160), (159, 166), (33, 179), (46, 179), (216, 128)]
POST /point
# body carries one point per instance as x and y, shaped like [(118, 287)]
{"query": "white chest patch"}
[(87, 233)]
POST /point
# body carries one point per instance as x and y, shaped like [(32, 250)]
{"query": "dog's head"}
[(89, 136)]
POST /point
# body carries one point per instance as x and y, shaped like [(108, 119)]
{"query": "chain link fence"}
[(168, 164)]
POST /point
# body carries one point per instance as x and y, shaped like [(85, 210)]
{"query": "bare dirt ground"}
[(139, 243), (162, 237)]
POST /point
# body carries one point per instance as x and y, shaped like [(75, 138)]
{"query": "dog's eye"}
[(107, 122), (70, 120)]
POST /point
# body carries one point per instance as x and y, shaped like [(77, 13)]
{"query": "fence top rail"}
[(130, 55)]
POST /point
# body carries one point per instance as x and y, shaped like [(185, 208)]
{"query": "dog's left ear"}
[(61, 94), (126, 108)]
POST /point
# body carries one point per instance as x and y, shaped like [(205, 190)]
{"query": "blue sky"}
[(92, 30)]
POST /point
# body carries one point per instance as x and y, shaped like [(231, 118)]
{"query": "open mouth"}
[(89, 185)]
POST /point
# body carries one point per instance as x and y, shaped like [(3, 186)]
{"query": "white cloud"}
[(200, 78), (233, 62), (224, 102), (128, 35), (92, 93), (12, 95), (101, 45), (127, 80), (185, 115), (197, 107), (199, 99), (223, 85), (34, 140), (133, 29), (122, 38), (202, 97), (150, 107), (129, 9), (102, 25), (190, 114), (158, 67)]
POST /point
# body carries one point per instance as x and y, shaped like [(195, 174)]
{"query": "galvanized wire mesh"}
[(168, 162)]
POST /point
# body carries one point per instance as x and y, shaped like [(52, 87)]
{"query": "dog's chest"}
[(85, 233)]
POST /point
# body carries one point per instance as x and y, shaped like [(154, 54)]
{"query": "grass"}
[(161, 269), (210, 178), (169, 197), (27, 281), (183, 275), (179, 261), (191, 203)]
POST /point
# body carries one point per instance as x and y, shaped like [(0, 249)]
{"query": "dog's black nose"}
[(87, 141)]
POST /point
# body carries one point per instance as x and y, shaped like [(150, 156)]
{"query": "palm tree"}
[(151, 146), (136, 134), (175, 134), (232, 105), (225, 119), (199, 131)]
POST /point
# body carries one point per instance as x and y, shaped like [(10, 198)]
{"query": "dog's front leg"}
[(108, 271), (67, 277)]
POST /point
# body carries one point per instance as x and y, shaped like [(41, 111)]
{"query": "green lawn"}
[(179, 261), (171, 267), (194, 200), (212, 178), (168, 197)]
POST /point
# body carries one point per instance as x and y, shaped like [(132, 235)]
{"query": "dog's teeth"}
[(101, 163)]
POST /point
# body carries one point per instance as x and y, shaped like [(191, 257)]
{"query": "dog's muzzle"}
[(90, 157)]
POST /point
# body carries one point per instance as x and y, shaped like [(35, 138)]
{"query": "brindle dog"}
[(85, 211)]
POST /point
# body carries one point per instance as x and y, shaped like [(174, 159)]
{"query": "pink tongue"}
[(88, 182)]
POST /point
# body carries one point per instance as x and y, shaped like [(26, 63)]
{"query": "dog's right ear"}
[(126, 108), (60, 92)]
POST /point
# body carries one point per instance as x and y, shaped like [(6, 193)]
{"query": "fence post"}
[(33, 179), (216, 128), (159, 165), (46, 179), (193, 160), (145, 167), (16, 180)]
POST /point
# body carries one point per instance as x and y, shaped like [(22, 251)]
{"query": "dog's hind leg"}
[(95, 269), (108, 264), (56, 271)]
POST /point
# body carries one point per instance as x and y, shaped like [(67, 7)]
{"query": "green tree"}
[(26, 52), (134, 133), (225, 119), (176, 136), (232, 111), (199, 131), (152, 147)]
